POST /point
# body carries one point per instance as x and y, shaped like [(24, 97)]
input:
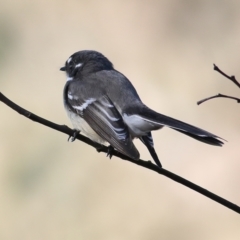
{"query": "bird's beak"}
[(63, 69)]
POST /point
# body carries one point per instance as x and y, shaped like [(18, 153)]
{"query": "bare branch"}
[(146, 164), (218, 96), (232, 78)]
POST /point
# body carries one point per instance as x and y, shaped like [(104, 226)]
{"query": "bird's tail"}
[(153, 121), (209, 139)]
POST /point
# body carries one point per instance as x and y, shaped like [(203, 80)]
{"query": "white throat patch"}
[(69, 79)]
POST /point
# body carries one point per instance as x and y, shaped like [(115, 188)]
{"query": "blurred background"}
[(52, 189)]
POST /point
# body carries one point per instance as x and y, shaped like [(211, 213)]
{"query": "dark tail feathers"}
[(185, 128), (206, 139)]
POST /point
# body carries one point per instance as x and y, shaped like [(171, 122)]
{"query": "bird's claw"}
[(74, 136), (110, 151)]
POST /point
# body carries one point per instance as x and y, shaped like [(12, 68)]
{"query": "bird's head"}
[(85, 62)]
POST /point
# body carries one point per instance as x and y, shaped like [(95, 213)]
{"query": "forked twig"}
[(231, 78)]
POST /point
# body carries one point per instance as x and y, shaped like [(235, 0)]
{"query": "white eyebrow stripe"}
[(69, 60), (85, 104), (78, 65)]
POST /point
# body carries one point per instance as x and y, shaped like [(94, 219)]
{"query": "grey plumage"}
[(103, 104)]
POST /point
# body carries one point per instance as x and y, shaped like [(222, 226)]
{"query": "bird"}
[(103, 105)]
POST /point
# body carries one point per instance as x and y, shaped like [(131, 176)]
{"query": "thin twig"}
[(232, 78), (218, 96), (101, 148)]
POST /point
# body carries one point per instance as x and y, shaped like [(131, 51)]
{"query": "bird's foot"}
[(74, 136), (110, 151)]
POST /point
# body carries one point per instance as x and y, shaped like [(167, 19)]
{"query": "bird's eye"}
[(70, 66)]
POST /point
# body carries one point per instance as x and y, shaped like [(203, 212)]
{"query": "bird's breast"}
[(80, 124)]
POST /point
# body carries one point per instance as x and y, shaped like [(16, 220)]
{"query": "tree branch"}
[(146, 164), (232, 78)]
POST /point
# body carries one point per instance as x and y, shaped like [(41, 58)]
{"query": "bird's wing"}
[(103, 117)]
